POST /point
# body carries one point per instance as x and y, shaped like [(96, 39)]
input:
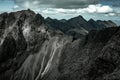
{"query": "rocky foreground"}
[(31, 50)]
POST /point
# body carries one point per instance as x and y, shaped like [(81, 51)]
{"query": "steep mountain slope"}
[(108, 23), (30, 50), (78, 27), (79, 22), (69, 27), (95, 58), (96, 25)]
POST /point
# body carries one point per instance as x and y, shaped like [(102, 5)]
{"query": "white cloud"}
[(111, 14), (97, 9), (15, 7), (90, 9)]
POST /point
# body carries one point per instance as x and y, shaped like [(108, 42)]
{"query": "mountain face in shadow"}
[(108, 23), (77, 27), (34, 48)]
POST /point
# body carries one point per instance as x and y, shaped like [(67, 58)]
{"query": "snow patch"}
[(26, 31)]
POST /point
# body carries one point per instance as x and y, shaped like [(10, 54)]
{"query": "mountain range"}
[(35, 48), (78, 27)]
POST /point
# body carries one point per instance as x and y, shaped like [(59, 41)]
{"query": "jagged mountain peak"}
[(48, 18), (63, 20), (51, 19), (95, 25), (91, 20), (78, 18), (28, 11)]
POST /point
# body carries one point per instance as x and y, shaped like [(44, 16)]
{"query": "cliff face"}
[(29, 50)]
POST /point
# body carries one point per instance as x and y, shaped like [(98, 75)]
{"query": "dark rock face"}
[(108, 23), (96, 25), (8, 51), (32, 48), (77, 27), (94, 58), (79, 22)]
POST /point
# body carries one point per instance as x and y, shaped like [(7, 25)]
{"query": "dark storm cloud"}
[(114, 3), (55, 3), (74, 3)]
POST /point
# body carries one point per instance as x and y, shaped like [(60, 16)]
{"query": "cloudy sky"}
[(96, 9)]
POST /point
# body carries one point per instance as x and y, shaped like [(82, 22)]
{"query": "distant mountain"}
[(63, 20), (34, 48), (95, 25), (117, 22), (108, 23), (78, 27)]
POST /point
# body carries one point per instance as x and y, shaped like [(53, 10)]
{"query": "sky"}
[(96, 9)]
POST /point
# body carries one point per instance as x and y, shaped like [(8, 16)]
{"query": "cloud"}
[(15, 7), (55, 3), (98, 8), (114, 3), (110, 14), (68, 6)]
